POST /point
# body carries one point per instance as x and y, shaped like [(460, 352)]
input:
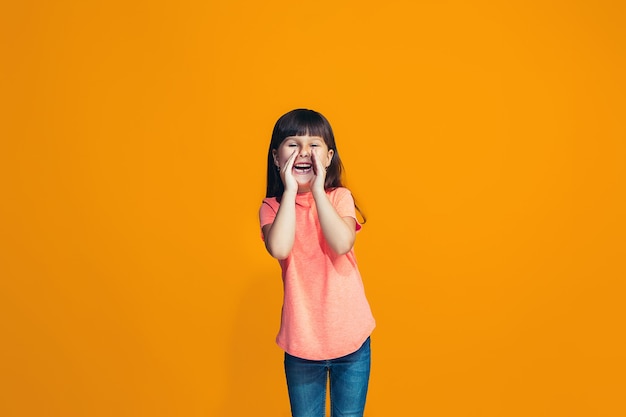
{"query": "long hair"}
[(302, 122)]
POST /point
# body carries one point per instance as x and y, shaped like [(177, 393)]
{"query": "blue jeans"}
[(349, 378)]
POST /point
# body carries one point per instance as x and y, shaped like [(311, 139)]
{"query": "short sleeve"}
[(267, 212), (344, 204)]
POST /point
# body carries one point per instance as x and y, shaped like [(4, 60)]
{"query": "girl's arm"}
[(280, 235), (340, 232)]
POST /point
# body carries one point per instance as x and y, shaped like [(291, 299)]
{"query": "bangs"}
[(304, 129), (303, 123)]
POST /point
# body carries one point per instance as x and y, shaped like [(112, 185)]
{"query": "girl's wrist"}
[(317, 193), (289, 194)]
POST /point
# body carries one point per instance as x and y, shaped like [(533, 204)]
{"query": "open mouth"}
[(302, 168)]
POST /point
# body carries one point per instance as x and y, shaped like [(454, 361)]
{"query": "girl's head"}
[(297, 123)]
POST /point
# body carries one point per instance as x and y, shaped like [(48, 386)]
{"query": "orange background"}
[(485, 142)]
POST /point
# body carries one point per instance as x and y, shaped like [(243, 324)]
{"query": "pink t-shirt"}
[(325, 312)]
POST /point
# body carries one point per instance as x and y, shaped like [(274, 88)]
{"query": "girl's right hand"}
[(286, 174)]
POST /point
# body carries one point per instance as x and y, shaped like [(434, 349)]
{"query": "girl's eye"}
[(292, 145)]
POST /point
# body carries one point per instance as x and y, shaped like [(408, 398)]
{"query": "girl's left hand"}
[(319, 170)]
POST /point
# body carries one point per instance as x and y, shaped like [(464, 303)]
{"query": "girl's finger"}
[(286, 172), (317, 164), (291, 160)]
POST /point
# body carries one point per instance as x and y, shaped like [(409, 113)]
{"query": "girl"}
[(308, 223)]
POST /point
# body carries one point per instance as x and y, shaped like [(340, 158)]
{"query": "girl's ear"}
[(331, 153), (274, 155)]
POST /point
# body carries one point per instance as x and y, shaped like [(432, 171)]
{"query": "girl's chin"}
[(303, 185), (304, 180)]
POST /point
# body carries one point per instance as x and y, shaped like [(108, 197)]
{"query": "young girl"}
[(309, 224)]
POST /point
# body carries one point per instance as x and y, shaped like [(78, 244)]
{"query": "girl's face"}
[(304, 148)]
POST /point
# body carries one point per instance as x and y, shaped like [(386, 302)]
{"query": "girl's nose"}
[(304, 151)]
